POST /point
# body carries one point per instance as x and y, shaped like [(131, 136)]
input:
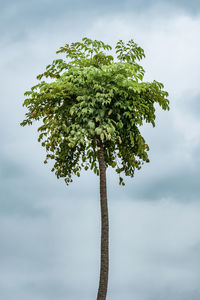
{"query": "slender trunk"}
[(103, 282)]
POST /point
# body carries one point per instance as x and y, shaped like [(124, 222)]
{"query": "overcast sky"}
[(50, 233)]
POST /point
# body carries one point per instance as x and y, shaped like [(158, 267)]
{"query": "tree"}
[(92, 107)]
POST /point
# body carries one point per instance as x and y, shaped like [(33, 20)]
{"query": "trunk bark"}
[(103, 282)]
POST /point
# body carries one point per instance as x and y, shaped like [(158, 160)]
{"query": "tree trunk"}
[(103, 282)]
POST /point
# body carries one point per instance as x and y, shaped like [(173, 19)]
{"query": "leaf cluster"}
[(92, 97)]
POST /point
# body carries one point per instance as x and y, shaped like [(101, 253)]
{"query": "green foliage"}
[(91, 96)]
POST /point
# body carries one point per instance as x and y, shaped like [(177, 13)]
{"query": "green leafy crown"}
[(91, 95)]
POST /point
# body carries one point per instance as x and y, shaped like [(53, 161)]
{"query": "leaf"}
[(34, 113), (98, 130), (72, 110), (91, 124), (113, 164), (84, 110)]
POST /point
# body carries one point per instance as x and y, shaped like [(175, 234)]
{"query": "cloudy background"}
[(49, 233)]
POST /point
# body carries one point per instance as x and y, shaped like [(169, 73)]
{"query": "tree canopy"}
[(91, 95)]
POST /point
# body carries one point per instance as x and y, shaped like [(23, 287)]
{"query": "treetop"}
[(93, 96)]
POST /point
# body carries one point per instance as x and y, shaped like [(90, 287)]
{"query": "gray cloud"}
[(160, 260), (21, 17), (154, 251), (191, 105), (183, 186), (50, 233), (180, 182)]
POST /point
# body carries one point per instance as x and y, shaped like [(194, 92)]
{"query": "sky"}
[(50, 232)]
